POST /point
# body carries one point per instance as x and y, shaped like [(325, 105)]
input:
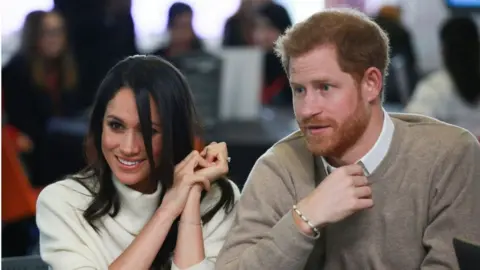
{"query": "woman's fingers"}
[(205, 150), (214, 172), (193, 179), (182, 163), (192, 161), (214, 150)]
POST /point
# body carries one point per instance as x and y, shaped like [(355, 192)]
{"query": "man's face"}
[(329, 104)]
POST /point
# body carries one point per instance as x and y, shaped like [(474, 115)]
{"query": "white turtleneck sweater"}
[(68, 242)]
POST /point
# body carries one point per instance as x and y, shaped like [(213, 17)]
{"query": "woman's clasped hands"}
[(195, 173)]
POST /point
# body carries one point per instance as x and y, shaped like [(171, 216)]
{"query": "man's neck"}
[(365, 143)]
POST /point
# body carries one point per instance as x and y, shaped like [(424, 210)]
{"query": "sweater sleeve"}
[(214, 233), (454, 204), (61, 245), (264, 235)]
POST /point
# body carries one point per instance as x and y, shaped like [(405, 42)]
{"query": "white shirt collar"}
[(377, 153)]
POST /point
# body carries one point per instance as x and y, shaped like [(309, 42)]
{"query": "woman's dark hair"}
[(155, 78), (31, 34), (177, 9), (31, 31), (461, 56), (276, 15)]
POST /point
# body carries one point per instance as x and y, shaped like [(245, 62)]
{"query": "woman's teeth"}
[(128, 163)]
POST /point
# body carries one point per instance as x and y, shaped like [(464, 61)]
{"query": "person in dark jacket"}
[(239, 28), (183, 38), (271, 21), (403, 72), (41, 82)]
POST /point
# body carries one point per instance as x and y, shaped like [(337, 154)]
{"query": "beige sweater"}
[(426, 192)]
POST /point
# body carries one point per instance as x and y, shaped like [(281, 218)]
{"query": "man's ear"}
[(372, 84)]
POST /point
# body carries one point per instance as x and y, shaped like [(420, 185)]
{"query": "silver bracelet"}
[(304, 218)]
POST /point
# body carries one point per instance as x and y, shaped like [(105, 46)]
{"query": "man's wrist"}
[(304, 223), (301, 225)]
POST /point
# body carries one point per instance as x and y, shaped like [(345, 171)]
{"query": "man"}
[(355, 188)]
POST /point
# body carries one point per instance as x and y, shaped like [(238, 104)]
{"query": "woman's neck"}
[(50, 64), (145, 187), (180, 48)]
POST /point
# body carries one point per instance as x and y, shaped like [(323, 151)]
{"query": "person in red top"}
[(271, 21), (40, 82), (23, 144)]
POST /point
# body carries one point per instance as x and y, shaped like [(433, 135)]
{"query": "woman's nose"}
[(130, 145)]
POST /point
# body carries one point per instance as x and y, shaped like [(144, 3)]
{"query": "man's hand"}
[(341, 194)]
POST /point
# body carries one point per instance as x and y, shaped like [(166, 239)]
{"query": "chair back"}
[(468, 254), (24, 263), (203, 72)]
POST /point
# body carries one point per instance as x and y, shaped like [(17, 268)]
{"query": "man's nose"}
[(309, 105)]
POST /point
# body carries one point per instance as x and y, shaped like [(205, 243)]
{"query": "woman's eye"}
[(115, 125)]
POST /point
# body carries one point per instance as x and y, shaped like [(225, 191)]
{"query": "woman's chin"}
[(129, 179)]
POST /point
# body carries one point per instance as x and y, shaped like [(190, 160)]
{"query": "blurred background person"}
[(239, 28), (40, 82), (101, 32), (402, 72), (182, 36), (270, 22), (452, 94)]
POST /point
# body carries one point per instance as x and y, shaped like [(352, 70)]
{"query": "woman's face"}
[(254, 4), (181, 31), (265, 34), (122, 141), (52, 37)]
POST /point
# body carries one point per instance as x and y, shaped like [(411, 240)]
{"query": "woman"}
[(143, 196), (271, 22), (183, 38), (452, 94), (238, 29), (40, 82)]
